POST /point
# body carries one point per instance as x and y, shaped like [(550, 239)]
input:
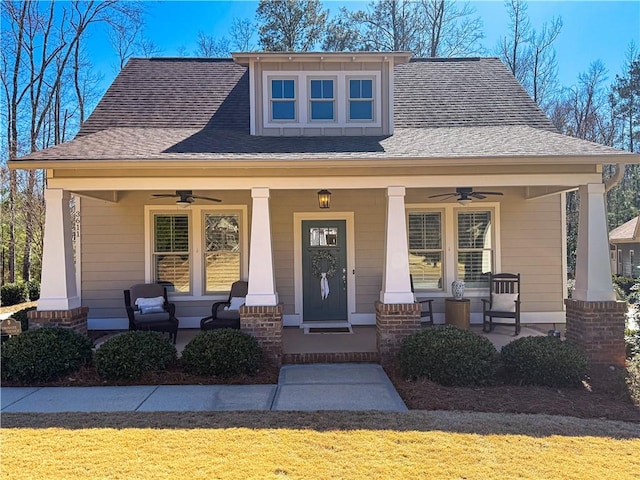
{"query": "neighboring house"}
[(264, 133), (625, 248)]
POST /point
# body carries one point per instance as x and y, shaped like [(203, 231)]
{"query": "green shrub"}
[(633, 379), (33, 290), (14, 293), (544, 361), (624, 285), (449, 356), (132, 354), (632, 343), (634, 296), (21, 316), (223, 352), (44, 354)]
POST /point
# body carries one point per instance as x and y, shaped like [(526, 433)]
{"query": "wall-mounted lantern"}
[(324, 198)]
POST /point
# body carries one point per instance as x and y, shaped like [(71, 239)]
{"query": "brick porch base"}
[(75, 319), (598, 327), (265, 324), (394, 322)]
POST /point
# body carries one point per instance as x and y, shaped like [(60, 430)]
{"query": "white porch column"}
[(58, 290), (396, 287), (262, 284), (593, 268)]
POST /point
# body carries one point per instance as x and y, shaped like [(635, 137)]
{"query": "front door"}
[(324, 270)]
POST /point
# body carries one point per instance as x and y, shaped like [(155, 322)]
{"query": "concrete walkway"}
[(299, 388)]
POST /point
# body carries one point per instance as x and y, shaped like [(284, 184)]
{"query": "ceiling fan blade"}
[(477, 195), (489, 193), (450, 194), (207, 198), (164, 195)]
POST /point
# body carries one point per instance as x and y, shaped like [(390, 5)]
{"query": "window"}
[(322, 99), (221, 252), (171, 256), (283, 99), (475, 253), (198, 252), (425, 250), (360, 99), (451, 243)]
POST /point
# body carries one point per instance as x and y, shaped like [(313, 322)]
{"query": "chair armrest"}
[(202, 320), (130, 312), (429, 301), (170, 307), (216, 306)]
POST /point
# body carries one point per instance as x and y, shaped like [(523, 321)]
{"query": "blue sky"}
[(592, 30)]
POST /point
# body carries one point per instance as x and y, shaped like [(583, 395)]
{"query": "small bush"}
[(222, 352), (633, 379), (14, 293), (634, 296), (44, 354), (33, 290), (624, 285), (21, 316), (130, 355), (449, 356), (544, 361), (632, 343)]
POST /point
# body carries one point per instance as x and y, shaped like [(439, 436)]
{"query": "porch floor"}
[(363, 339)]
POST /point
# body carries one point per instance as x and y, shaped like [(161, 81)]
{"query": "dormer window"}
[(361, 99), (322, 99), (283, 99)]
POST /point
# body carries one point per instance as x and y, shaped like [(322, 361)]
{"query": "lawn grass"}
[(349, 445)]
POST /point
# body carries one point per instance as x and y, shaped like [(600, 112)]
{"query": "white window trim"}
[(335, 99), (196, 245), (450, 248), (375, 100), (295, 99), (341, 95)]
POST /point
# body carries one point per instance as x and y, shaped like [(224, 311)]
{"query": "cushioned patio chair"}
[(227, 314), (148, 309), (504, 302), (424, 312)]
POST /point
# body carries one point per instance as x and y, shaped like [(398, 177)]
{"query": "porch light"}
[(464, 201), (182, 204), (324, 198)]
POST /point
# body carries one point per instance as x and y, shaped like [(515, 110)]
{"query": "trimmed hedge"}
[(130, 355), (448, 356), (33, 290), (546, 361), (224, 352), (14, 293), (624, 285), (44, 354), (21, 316), (632, 343)]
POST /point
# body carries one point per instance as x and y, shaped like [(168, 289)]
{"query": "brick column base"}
[(598, 327), (75, 319), (393, 323), (265, 324)]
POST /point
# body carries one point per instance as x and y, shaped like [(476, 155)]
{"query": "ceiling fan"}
[(465, 195), (185, 197)]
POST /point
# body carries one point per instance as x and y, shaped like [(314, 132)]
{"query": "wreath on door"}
[(323, 262)]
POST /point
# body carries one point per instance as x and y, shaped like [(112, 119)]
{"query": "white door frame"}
[(298, 217)]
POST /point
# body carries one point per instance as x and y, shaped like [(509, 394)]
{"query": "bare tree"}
[(512, 48), (208, 46), (242, 31), (544, 68), (452, 29)]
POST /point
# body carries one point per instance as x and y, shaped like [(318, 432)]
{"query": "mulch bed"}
[(604, 396)]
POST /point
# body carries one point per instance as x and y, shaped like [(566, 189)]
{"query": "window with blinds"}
[(221, 251), (171, 256), (475, 248), (426, 250)]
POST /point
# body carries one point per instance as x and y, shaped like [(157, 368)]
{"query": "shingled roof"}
[(176, 108), (629, 231)]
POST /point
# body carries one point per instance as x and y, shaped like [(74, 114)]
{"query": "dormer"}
[(321, 94)]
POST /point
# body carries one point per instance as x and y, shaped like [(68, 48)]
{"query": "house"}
[(333, 166), (625, 242)]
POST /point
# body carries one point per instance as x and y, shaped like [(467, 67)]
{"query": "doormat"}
[(330, 330)]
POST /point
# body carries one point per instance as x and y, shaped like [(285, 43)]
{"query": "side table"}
[(457, 312)]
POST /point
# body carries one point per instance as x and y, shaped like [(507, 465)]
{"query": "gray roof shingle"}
[(199, 109)]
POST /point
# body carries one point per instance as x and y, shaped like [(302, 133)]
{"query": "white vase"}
[(457, 288)]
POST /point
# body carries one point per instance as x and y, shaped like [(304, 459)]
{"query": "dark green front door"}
[(324, 270)]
